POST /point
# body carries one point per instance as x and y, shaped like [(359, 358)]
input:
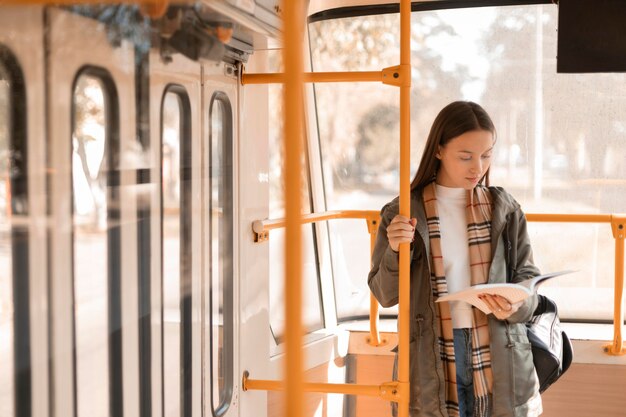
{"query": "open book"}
[(512, 292)]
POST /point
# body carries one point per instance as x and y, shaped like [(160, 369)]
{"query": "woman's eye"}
[(469, 158), (487, 156)]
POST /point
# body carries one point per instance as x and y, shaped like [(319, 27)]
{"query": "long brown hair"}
[(453, 120)]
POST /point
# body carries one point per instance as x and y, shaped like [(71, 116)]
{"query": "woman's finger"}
[(400, 230), (502, 303), (488, 299), (401, 219), (500, 306)]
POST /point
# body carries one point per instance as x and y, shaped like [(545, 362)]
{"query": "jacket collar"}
[(502, 205)]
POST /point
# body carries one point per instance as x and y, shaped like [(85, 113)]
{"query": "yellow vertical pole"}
[(374, 320), (293, 104), (618, 313), (405, 204), (618, 226)]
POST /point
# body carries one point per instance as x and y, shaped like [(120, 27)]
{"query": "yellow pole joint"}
[(372, 226), (399, 76), (389, 391), (395, 391), (618, 225), (244, 380), (261, 234)]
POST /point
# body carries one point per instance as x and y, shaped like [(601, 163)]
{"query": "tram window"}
[(312, 317), (91, 205), (176, 207), (371, 40), (560, 136), (221, 238), (6, 284)]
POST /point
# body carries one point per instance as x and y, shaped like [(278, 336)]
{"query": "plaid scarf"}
[(478, 214)]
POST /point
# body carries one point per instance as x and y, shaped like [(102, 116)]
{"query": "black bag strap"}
[(568, 353)]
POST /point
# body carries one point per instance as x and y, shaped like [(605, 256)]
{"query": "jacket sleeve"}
[(383, 277), (521, 263)]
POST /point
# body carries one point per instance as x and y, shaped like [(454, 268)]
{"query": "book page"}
[(535, 282), (512, 292)]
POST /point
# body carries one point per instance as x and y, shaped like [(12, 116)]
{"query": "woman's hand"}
[(500, 306), (400, 230)]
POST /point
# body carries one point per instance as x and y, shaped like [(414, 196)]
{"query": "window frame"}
[(185, 218), (111, 159), (228, 288), (20, 236)]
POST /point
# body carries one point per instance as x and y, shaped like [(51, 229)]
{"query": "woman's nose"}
[(477, 167)]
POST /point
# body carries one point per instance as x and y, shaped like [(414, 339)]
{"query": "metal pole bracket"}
[(399, 76), (260, 233), (394, 391), (618, 225), (372, 225)]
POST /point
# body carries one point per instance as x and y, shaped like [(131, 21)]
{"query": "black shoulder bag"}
[(552, 349)]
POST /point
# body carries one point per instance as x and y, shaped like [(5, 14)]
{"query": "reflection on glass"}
[(171, 181), (89, 186), (560, 136), (6, 268), (312, 317), (221, 225)]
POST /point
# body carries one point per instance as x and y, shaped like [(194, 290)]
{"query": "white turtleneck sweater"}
[(451, 204)]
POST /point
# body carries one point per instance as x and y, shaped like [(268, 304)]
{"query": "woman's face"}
[(465, 159)]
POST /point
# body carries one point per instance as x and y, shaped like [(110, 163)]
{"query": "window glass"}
[(171, 197), (359, 140), (560, 136), (372, 43), (312, 317), (6, 285), (91, 252), (561, 151), (221, 226)]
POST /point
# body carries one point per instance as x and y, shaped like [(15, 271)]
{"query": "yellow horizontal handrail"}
[(617, 222), (265, 225), (389, 391), (398, 76), (261, 228), (315, 77), (567, 218)]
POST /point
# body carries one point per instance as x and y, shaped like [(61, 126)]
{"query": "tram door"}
[(94, 160), (23, 280), (193, 128), (219, 328), (175, 117)]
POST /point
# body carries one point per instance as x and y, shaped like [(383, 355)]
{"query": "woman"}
[(462, 362)]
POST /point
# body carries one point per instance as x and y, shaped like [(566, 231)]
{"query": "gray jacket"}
[(515, 388)]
